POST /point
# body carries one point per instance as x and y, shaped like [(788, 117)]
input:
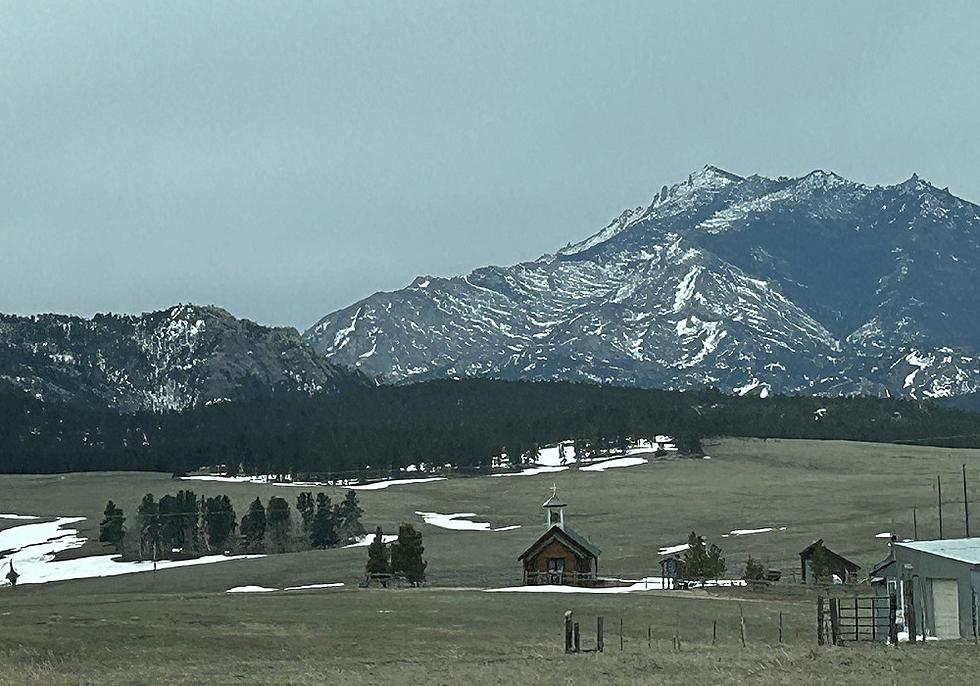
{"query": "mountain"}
[(813, 284), (168, 360)]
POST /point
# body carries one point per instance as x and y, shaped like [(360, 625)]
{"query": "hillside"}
[(169, 360), (461, 423), (814, 285)]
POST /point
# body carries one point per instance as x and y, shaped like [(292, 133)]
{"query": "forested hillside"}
[(463, 423)]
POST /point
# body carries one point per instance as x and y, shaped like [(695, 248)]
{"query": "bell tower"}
[(554, 509)]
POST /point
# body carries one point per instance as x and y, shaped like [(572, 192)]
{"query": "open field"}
[(843, 492), (432, 636), (179, 626)]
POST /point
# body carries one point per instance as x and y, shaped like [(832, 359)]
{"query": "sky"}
[(283, 160)]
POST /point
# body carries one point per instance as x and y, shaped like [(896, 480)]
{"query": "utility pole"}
[(966, 505), (939, 488), (915, 526)]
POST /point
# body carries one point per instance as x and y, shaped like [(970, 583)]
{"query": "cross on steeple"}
[(555, 509)]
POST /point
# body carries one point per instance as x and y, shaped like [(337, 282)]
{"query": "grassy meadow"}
[(179, 626)]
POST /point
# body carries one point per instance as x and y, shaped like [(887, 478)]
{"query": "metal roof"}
[(574, 537), (553, 501), (959, 549)]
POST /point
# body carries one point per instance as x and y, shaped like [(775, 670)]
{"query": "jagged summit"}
[(809, 284)]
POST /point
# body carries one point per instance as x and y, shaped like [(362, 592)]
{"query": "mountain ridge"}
[(812, 284), (164, 360)]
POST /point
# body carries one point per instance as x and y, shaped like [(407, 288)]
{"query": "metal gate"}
[(857, 618)]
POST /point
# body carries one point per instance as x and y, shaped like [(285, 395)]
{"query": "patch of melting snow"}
[(884, 534), (34, 547), (457, 522), (746, 532), (556, 455), (530, 471), (671, 549), (616, 462), (266, 589), (313, 586), (378, 485), (16, 516), (365, 541)]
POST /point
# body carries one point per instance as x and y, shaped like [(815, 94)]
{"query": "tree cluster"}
[(701, 561), (401, 559), (183, 524)]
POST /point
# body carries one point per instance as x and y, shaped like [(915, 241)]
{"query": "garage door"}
[(945, 608)]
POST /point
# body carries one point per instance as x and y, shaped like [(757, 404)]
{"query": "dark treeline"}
[(184, 525), (464, 423)]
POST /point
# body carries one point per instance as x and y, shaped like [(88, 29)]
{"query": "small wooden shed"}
[(842, 568)]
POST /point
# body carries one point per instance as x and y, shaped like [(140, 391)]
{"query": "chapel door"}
[(556, 570)]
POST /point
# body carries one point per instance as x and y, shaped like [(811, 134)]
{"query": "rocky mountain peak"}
[(812, 284)]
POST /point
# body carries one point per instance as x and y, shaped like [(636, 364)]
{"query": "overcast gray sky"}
[(283, 159)]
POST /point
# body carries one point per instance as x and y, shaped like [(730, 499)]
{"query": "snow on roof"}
[(960, 549)]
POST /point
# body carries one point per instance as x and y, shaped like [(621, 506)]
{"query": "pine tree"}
[(220, 521), (279, 521), (406, 555), (189, 512), (253, 524), (378, 556), (350, 518), (323, 531), (171, 527), (694, 557), (754, 571), (111, 528), (714, 564), (306, 506), (148, 516)]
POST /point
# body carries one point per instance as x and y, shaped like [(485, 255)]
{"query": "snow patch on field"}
[(365, 541), (378, 485), (456, 522), (16, 516), (33, 548), (616, 462), (671, 549), (251, 589), (530, 471), (310, 587)]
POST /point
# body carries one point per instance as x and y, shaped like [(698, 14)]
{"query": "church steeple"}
[(554, 508)]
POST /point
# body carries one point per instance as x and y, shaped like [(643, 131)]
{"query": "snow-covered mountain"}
[(166, 360), (814, 284)]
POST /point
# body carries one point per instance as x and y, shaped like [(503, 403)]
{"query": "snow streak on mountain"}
[(814, 284), (168, 360)]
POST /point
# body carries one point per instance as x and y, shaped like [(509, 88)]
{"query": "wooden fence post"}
[(741, 624), (649, 636), (820, 621), (598, 634), (893, 619), (576, 637), (714, 631), (835, 621), (620, 634), (568, 631), (780, 626)]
